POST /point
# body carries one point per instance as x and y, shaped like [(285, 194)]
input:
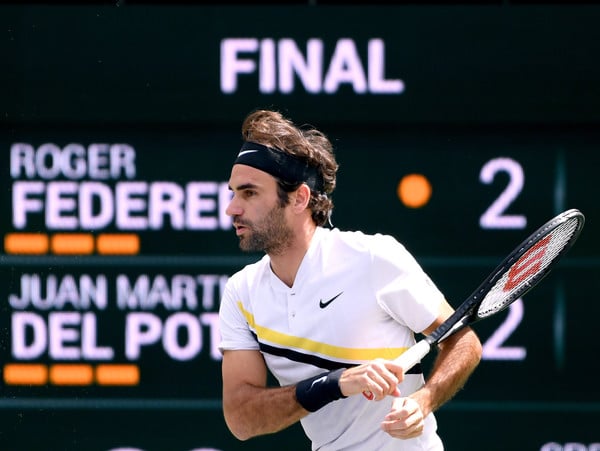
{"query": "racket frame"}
[(466, 313)]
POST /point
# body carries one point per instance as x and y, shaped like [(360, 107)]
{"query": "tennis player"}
[(325, 311)]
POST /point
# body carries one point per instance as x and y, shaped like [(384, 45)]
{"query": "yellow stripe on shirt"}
[(312, 346)]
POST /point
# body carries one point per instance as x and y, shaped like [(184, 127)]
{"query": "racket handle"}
[(413, 355), (408, 359)]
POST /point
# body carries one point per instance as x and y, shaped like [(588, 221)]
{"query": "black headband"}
[(284, 166)]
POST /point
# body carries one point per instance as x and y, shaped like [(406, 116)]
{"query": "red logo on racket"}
[(528, 265)]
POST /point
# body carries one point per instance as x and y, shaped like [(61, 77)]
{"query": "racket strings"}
[(533, 265)]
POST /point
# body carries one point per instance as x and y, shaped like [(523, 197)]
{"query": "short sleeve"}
[(402, 287), (233, 326)]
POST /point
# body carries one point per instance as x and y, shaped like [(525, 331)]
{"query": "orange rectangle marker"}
[(25, 374), (118, 244), (71, 374), (72, 243), (114, 374), (26, 243)]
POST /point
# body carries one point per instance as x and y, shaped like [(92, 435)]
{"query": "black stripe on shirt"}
[(319, 362)]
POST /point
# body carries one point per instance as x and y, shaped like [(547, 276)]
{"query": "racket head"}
[(527, 264)]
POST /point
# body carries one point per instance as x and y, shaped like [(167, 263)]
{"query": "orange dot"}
[(414, 190)]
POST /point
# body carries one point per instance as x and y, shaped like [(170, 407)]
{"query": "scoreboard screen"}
[(458, 130)]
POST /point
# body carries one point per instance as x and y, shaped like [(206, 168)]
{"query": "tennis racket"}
[(522, 270)]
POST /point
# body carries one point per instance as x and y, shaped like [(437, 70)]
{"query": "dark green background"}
[(460, 63), (482, 82)]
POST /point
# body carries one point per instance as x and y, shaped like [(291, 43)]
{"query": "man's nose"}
[(233, 209)]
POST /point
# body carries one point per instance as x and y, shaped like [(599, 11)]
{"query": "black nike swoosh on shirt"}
[(324, 304)]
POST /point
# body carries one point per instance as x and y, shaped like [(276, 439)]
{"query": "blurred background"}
[(460, 127)]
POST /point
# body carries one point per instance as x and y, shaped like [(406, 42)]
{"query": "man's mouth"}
[(240, 229)]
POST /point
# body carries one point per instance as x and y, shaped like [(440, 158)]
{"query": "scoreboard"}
[(458, 130)]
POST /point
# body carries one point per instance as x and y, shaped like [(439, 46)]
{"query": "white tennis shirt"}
[(356, 297)]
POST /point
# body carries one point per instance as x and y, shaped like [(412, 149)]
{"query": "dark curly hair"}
[(272, 129)]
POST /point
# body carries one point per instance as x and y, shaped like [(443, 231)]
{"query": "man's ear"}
[(302, 197)]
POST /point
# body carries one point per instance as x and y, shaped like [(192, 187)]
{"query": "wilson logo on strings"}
[(530, 263)]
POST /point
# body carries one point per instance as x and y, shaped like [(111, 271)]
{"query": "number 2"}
[(493, 349), (494, 217)]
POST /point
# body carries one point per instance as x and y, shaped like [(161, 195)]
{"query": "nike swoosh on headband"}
[(282, 165), (244, 152)]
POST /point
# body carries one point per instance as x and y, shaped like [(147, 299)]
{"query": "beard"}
[(270, 235)]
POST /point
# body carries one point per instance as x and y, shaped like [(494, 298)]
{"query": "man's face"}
[(260, 221)]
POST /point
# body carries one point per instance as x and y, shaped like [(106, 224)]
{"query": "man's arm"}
[(457, 358), (250, 408)]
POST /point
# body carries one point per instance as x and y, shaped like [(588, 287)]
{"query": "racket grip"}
[(408, 359), (413, 355)]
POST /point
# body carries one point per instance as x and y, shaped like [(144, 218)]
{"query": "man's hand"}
[(379, 377), (405, 420)]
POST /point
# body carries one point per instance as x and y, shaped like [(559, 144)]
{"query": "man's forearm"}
[(256, 411), (457, 358)]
